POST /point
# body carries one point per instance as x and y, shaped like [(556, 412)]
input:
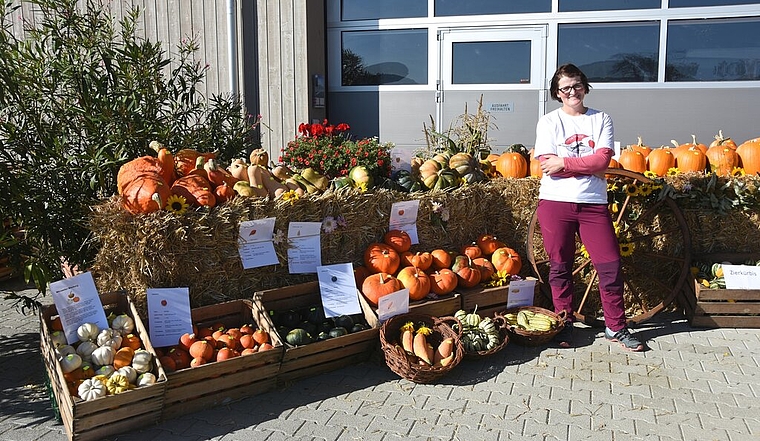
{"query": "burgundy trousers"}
[(560, 222)]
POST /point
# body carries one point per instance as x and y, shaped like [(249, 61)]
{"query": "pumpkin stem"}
[(157, 198)]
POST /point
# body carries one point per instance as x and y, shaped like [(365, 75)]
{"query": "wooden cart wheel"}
[(655, 248)]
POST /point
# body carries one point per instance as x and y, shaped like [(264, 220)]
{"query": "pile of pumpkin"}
[(212, 343), (308, 325), (390, 266), (722, 156), (105, 361), (193, 179)]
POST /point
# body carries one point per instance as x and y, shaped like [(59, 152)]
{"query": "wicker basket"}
[(501, 323), (534, 338), (403, 365)]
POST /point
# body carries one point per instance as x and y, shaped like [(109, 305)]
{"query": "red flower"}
[(342, 127)]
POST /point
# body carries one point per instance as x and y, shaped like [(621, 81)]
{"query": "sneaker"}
[(625, 338), (564, 338)]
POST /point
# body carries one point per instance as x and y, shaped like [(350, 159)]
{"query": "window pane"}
[(377, 9), (716, 50), (611, 52), (445, 8), (384, 57), (689, 3), (491, 62), (607, 5)]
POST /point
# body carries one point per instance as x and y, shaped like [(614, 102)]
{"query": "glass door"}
[(506, 66)]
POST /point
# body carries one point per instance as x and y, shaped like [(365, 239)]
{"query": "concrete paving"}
[(693, 384)]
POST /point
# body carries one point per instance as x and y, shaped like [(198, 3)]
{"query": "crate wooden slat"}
[(113, 414), (488, 300), (721, 308), (441, 307), (223, 382), (321, 356)]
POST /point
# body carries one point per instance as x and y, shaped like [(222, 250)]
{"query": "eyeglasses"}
[(576, 87)]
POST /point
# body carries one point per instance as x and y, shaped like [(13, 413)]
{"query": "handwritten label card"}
[(169, 315), (404, 218), (304, 253), (77, 302), (393, 304), (521, 293), (337, 287), (256, 244), (742, 276)]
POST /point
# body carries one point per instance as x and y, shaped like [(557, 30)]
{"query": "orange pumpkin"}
[(421, 260), (202, 349), (136, 168), (512, 165), (416, 281), (224, 193), (722, 160), (442, 259), (691, 160), (123, 357), (472, 250), (506, 260), (486, 268), (379, 285), (661, 160), (360, 273), (443, 281), (145, 194), (534, 167), (488, 243), (632, 160), (399, 240), (722, 141), (186, 160), (195, 189), (468, 275), (749, 155), (381, 258), (641, 147)]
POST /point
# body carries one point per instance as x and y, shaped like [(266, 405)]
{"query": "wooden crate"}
[(321, 356), (113, 414), (487, 300), (720, 308), (223, 382), (441, 307)]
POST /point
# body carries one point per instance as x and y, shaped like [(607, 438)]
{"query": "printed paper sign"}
[(77, 302), (304, 253), (521, 293), (742, 276), (404, 218), (169, 315), (256, 243), (393, 304), (337, 286)]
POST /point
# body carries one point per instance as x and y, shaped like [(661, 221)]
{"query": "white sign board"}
[(742, 276)]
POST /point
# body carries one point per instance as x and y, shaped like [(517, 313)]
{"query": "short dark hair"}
[(567, 70)]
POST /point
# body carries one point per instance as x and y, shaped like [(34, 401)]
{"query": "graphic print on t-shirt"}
[(578, 145)]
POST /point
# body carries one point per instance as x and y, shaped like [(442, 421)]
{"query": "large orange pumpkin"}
[(443, 281), (381, 258), (416, 281), (512, 165), (142, 166), (195, 189), (691, 160), (661, 160), (379, 285), (488, 243), (485, 266), (506, 260), (722, 159), (749, 155), (472, 250), (641, 147), (145, 194), (722, 141), (632, 160)]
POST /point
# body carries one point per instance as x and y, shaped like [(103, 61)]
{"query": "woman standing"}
[(574, 145)]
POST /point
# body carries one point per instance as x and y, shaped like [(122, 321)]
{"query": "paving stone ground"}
[(693, 384)]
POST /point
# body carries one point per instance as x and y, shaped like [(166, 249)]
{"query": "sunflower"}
[(626, 248), (672, 171), (362, 187), (612, 187), (737, 171), (176, 204), (646, 189), (290, 195), (650, 174), (632, 189), (584, 251)]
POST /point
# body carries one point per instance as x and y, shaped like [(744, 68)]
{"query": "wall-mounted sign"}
[(500, 107)]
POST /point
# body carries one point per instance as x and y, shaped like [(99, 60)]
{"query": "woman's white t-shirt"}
[(571, 137)]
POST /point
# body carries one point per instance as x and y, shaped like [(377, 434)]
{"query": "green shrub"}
[(80, 95)]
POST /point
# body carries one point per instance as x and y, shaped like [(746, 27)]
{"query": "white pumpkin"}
[(146, 379), (87, 332), (141, 361), (58, 338), (70, 362), (65, 350), (91, 389), (123, 324), (105, 371), (103, 336), (103, 355), (129, 372)]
